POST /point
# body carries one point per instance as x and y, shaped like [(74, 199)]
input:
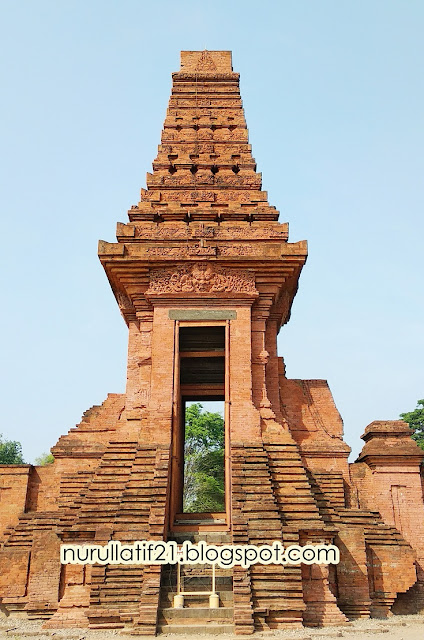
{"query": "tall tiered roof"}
[(204, 169), (203, 204)]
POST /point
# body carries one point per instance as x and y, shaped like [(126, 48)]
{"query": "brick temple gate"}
[(205, 277)]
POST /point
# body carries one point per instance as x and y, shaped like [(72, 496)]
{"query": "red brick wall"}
[(13, 493)]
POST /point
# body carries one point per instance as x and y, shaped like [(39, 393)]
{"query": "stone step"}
[(194, 615), (194, 629)]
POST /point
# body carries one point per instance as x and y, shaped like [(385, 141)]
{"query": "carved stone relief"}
[(183, 231), (123, 301), (201, 278), (205, 62)]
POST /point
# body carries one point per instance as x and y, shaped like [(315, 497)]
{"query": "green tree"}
[(44, 459), (203, 461), (10, 452), (415, 419)]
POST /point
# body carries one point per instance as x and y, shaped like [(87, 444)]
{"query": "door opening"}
[(200, 440), (204, 457)]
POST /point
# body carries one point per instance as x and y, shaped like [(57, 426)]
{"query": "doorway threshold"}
[(200, 522)]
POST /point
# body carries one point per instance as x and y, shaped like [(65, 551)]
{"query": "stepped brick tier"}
[(205, 277)]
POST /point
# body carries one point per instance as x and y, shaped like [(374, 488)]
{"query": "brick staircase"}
[(196, 617), (271, 595), (73, 487), (22, 535), (133, 503), (103, 497), (296, 501)]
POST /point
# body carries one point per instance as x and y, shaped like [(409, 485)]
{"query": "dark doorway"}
[(200, 446)]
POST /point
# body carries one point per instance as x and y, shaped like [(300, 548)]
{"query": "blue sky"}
[(333, 94)]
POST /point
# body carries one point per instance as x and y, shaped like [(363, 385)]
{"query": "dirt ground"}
[(396, 628)]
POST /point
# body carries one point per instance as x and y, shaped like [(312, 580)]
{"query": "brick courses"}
[(203, 239)]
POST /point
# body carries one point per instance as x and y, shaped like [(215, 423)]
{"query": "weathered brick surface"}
[(204, 239), (13, 493), (315, 424), (386, 477)]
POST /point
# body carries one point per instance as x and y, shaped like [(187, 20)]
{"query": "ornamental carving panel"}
[(251, 233), (240, 250), (201, 278), (154, 231), (182, 251), (124, 302), (205, 62)]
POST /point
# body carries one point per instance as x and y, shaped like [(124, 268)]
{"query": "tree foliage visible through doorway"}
[(203, 461)]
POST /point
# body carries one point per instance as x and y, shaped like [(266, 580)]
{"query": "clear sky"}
[(333, 94)]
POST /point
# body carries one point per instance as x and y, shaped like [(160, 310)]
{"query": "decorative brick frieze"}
[(201, 278)]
